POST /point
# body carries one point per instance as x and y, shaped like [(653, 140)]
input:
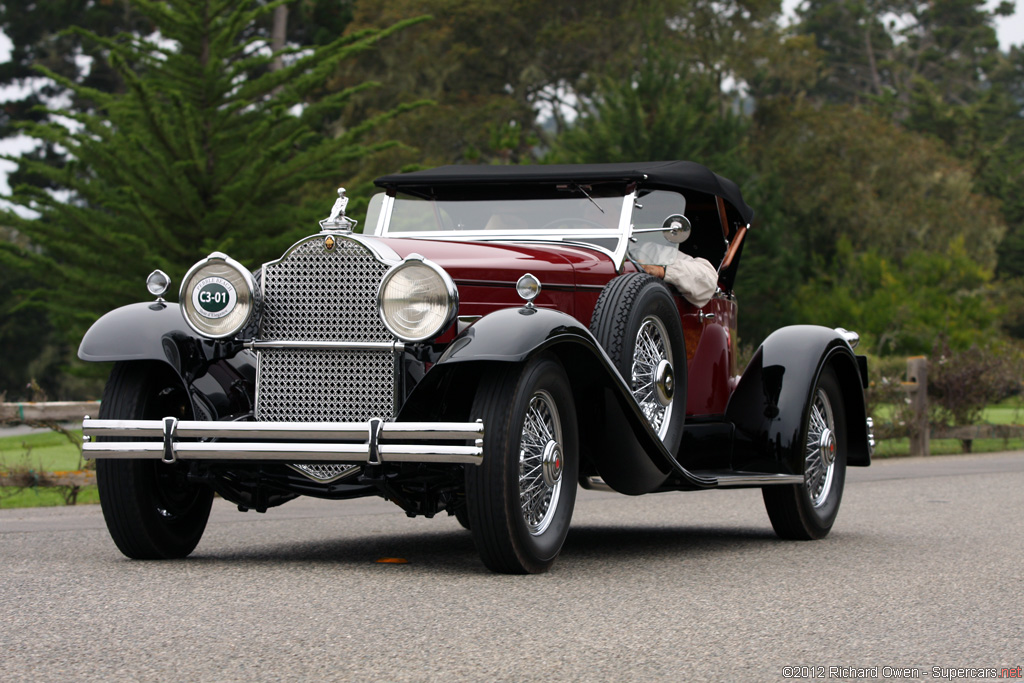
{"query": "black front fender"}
[(774, 393), (220, 377), (615, 437), (142, 331)]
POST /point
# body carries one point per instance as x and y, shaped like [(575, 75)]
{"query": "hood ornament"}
[(338, 220)]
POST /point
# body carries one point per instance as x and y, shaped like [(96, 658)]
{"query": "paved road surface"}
[(923, 569)]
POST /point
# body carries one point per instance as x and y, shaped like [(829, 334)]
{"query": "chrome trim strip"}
[(851, 337), (396, 346), (334, 441), (380, 251), (324, 431), (302, 452), (525, 234)]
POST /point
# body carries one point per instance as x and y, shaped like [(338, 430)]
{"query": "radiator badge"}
[(329, 243)]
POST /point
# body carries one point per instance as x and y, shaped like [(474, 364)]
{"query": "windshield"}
[(573, 215)]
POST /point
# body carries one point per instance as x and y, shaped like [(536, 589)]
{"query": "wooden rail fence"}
[(59, 411)]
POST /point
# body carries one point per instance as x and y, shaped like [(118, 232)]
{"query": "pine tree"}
[(208, 148)]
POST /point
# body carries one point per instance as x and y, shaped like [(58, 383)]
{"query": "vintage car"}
[(488, 342)]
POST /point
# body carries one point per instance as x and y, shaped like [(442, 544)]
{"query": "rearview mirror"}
[(677, 228)]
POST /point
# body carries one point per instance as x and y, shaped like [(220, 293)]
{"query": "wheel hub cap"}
[(827, 446), (664, 383), (552, 463)]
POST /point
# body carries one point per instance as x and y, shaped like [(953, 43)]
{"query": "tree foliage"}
[(902, 305), (881, 142), (206, 149), (491, 67), (660, 113)]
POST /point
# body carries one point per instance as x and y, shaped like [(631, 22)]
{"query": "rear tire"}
[(152, 511), (520, 498), (807, 511)]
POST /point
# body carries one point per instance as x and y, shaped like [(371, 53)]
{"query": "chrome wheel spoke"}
[(650, 349), (541, 432), (819, 459)]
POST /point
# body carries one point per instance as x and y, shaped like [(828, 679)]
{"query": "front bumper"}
[(375, 442)]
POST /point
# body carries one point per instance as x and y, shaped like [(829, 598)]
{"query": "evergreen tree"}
[(662, 112), (495, 68), (207, 148)]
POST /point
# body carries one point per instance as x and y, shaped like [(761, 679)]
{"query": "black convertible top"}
[(669, 175)]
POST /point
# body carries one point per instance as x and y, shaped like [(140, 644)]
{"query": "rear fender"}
[(220, 376), (614, 435), (774, 393)]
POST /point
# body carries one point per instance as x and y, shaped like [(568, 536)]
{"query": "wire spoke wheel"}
[(540, 463), (650, 351), (821, 450)]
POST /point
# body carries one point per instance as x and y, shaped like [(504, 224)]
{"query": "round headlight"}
[(217, 296), (417, 299)]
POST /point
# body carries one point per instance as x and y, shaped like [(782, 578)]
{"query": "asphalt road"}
[(923, 569)]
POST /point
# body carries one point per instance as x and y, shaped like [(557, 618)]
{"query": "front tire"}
[(520, 498), (807, 511), (152, 511)]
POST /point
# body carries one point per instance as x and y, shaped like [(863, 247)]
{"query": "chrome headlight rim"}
[(218, 269), (450, 291)]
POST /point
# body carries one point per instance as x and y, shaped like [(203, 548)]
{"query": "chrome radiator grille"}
[(316, 295)]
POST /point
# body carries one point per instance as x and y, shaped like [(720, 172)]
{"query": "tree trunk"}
[(278, 34)]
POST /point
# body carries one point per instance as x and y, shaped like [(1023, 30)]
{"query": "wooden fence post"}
[(917, 388)]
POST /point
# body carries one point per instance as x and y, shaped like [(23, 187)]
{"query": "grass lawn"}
[(45, 452), (44, 497), (49, 451), (1008, 412), (889, 448)]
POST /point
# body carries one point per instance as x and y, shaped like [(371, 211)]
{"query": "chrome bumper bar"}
[(372, 442)]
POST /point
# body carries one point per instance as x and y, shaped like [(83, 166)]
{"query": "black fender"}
[(220, 376), (614, 435), (774, 393)]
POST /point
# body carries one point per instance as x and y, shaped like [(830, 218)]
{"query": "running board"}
[(716, 479), (727, 479)]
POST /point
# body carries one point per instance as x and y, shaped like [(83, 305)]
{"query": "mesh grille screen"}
[(315, 295), (326, 471), (315, 385)]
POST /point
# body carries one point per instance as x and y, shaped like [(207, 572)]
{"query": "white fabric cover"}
[(695, 278)]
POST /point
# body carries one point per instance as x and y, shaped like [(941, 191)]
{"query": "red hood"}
[(555, 265)]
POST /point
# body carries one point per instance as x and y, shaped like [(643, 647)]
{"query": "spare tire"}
[(636, 321)]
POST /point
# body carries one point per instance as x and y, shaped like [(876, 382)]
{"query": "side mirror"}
[(677, 228)]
